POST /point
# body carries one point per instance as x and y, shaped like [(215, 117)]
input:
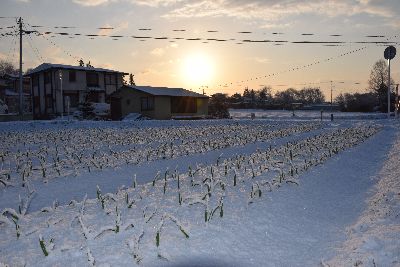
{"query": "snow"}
[(132, 117), (263, 192), (302, 114), (101, 108)]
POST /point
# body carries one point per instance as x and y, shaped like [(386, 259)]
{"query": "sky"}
[(216, 46)]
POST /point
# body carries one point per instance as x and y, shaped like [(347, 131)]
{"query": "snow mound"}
[(101, 109), (134, 117), (374, 240)]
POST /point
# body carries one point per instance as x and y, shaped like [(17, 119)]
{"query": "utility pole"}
[(388, 92), (21, 91)]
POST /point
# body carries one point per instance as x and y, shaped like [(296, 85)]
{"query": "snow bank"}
[(374, 240)]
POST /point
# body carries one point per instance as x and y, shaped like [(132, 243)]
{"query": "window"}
[(183, 105), (92, 79), (147, 103), (49, 101), (36, 101), (35, 80), (110, 79), (47, 77), (73, 99), (72, 76)]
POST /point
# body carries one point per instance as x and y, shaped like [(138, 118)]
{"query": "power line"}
[(35, 50), (13, 44), (208, 40), (293, 68), (142, 38), (28, 32), (246, 32)]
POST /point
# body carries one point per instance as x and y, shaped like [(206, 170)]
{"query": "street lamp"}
[(62, 96)]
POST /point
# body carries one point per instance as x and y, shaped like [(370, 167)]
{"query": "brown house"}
[(159, 103)]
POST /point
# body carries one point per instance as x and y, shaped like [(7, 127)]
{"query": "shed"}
[(159, 103)]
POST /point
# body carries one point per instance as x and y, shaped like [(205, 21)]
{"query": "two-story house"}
[(57, 88)]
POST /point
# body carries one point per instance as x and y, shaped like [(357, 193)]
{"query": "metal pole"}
[(388, 92), (62, 96), (21, 93), (396, 104)]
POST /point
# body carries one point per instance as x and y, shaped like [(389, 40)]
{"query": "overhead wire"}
[(142, 38), (33, 47), (53, 43), (207, 31), (292, 68), (13, 44)]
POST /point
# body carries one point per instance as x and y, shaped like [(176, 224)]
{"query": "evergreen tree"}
[(131, 81)]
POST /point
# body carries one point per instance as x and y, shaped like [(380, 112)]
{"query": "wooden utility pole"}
[(21, 91), (388, 91)]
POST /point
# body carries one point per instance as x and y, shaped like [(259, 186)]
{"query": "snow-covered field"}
[(200, 193), (302, 114)]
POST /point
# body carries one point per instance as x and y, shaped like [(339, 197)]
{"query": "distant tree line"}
[(263, 98)]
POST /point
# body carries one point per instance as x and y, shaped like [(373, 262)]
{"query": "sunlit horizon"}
[(216, 47)]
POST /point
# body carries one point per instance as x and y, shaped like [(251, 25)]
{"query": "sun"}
[(197, 69)]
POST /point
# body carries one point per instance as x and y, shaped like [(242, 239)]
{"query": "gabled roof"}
[(48, 66), (165, 91)]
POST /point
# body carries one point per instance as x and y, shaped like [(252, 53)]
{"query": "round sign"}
[(390, 52)]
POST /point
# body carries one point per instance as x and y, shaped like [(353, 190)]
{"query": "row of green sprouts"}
[(62, 159)]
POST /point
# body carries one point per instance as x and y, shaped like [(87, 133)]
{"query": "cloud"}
[(145, 71), (156, 3), (149, 3), (158, 51), (274, 10), (271, 25), (261, 60), (106, 65), (89, 3)]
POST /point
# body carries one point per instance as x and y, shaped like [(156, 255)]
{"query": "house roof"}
[(48, 66), (165, 91)]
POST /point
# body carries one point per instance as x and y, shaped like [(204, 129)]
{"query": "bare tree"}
[(311, 95), (379, 76), (264, 93), (377, 83), (7, 67)]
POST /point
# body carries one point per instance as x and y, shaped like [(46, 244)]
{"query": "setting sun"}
[(197, 69)]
